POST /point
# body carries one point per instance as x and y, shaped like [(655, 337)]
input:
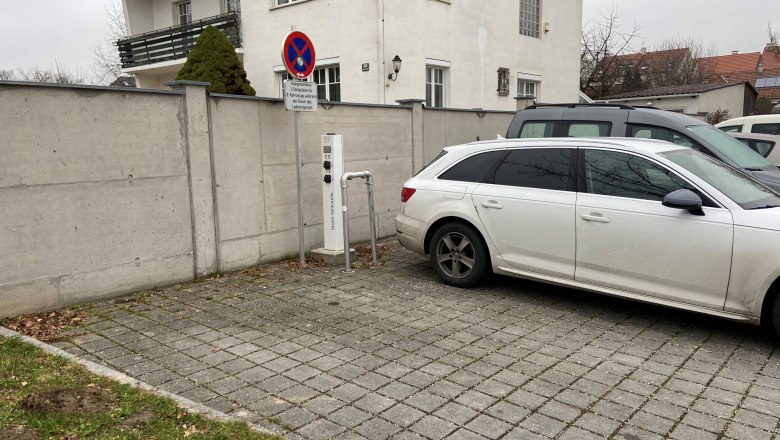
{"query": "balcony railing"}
[(175, 42)]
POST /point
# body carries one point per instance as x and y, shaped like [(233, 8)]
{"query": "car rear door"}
[(627, 240), (527, 208)]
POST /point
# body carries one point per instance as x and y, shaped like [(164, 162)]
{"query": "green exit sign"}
[(365, 67)]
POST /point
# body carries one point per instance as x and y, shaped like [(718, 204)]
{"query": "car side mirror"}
[(684, 199)]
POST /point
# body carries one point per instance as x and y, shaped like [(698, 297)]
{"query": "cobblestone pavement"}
[(392, 352)]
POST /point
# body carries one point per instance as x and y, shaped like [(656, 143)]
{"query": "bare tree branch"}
[(602, 43), (107, 66)]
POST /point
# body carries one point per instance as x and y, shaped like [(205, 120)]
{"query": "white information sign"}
[(300, 96)]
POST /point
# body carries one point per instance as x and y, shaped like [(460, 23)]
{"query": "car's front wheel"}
[(458, 255)]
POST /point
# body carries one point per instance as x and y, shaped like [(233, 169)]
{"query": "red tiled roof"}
[(741, 62), (771, 57)]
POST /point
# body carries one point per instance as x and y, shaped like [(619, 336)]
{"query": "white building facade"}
[(455, 53)]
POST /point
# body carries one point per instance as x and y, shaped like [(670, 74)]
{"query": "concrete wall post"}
[(418, 141), (195, 120)]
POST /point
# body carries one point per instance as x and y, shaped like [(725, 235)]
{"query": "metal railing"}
[(175, 42), (345, 213)]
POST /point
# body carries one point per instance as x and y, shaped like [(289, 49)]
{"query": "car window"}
[(537, 129), (587, 129), (663, 134), (543, 168), (734, 151), (473, 168), (762, 147), (743, 190), (731, 129), (766, 128), (612, 173)]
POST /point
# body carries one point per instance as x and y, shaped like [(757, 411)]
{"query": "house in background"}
[(760, 69), (696, 100), (462, 54)]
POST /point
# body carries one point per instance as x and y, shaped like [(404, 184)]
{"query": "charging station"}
[(332, 169), (332, 149)]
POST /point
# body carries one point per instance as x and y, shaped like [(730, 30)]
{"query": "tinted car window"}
[(617, 174), (766, 128), (731, 128), (587, 129), (543, 168), (537, 129), (473, 168)]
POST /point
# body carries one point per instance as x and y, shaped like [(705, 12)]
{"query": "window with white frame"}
[(434, 86), (233, 5), (527, 88), (283, 2), (530, 17), (183, 12), (328, 81)]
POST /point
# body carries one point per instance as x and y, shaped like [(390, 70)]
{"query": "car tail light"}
[(406, 193)]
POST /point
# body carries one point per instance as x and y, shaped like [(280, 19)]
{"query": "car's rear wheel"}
[(458, 255)]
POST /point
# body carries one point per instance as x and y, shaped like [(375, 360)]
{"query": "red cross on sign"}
[(298, 55)]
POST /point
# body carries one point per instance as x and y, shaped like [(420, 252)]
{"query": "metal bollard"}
[(345, 214)]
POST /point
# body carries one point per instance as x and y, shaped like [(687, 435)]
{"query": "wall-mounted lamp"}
[(396, 68)]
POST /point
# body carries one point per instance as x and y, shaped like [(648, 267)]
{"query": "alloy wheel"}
[(455, 255)]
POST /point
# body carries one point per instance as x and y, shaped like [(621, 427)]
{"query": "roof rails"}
[(594, 104)]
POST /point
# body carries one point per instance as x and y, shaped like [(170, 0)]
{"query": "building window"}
[(328, 81), (233, 6), (529, 18), (503, 81), (527, 89), (284, 2), (434, 86), (183, 13)]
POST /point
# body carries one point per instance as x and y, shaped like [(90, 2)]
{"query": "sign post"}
[(299, 96)]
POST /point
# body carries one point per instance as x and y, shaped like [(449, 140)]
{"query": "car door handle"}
[(595, 218), (492, 204)]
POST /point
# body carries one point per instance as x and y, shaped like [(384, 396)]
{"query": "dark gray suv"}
[(614, 120)]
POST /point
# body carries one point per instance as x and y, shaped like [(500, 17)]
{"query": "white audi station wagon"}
[(640, 219)]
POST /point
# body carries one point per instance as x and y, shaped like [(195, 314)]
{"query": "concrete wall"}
[(451, 127), (95, 197), (108, 191)]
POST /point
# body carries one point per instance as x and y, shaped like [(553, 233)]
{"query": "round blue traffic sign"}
[(298, 55)]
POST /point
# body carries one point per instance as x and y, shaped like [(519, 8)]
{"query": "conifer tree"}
[(214, 60)]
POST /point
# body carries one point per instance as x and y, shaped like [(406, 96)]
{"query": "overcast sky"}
[(727, 24), (36, 33)]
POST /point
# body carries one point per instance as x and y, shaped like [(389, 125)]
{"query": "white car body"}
[(766, 124), (722, 263)]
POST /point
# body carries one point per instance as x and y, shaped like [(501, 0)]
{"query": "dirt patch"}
[(48, 326), (67, 402), (17, 432), (363, 251), (137, 420)]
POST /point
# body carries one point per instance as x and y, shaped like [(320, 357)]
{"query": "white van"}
[(764, 124)]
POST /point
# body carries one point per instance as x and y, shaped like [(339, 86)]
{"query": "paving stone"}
[(425, 401), (403, 415), (321, 430), (456, 413), (541, 424), (404, 356), (377, 429), (374, 403), (296, 417), (433, 427), (349, 417), (488, 426)]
